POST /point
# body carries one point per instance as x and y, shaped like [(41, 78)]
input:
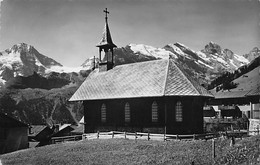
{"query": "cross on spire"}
[(106, 12)]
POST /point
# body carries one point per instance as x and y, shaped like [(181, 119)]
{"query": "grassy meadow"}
[(124, 151)]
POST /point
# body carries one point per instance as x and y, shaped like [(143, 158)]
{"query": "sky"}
[(69, 30)]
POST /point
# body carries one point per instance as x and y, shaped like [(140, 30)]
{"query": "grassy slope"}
[(249, 80), (120, 151)]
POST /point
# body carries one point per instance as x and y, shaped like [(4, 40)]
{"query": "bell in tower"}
[(106, 45)]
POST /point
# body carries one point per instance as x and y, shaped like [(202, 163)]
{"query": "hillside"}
[(245, 78), (35, 88), (40, 106), (121, 151), (248, 81)]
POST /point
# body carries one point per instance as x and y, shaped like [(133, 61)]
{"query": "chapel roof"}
[(254, 92), (155, 78)]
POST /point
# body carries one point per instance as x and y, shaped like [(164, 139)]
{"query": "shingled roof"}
[(254, 92), (230, 94), (155, 78)]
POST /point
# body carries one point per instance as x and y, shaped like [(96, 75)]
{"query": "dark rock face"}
[(254, 53), (37, 106), (125, 55), (212, 48), (37, 81)]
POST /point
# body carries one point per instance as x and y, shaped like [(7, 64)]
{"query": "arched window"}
[(103, 113), (127, 113), (178, 112), (154, 112)]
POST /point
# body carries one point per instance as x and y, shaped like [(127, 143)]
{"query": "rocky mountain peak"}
[(212, 48), (23, 60), (254, 53), (228, 54), (18, 48), (255, 49)]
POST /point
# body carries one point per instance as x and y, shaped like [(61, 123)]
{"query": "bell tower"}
[(106, 45)]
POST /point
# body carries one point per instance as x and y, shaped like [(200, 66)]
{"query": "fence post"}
[(213, 149), (164, 137), (125, 135), (112, 134), (97, 134), (194, 137), (148, 136), (177, 137), (135, 136), (247, 128), (232, 142)]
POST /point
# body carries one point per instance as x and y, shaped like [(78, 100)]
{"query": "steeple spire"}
[(106, 44), (106, 39)]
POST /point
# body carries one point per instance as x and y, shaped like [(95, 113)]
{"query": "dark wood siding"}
[(141, 115)]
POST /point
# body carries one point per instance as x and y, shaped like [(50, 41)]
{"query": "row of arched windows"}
[(154, 108)]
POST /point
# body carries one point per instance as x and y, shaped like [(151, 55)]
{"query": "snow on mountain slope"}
[(90, 62), (87, 65), (203, 56), (9, 59), (63, 69), (222, 58), (206, 64), (23, 60), (151, 51)]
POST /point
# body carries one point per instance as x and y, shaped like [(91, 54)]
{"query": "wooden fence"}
[(152, 136), (147, 136), (165, 137), (65, 139)]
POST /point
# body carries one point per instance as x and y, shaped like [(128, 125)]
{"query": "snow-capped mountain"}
[(90, 63), (151, 51), (23, 60), (224, 58), (205, 64), (254, 53)]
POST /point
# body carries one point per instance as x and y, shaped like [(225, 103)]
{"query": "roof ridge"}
[(166, 77), (187, 79)]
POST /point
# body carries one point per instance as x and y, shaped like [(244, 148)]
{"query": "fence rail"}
[(147, 136), (152, 136), (65, 139), (164, 137)]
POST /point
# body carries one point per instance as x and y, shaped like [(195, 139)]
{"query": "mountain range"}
[(24, 60), (35, 88), (204, 65)]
